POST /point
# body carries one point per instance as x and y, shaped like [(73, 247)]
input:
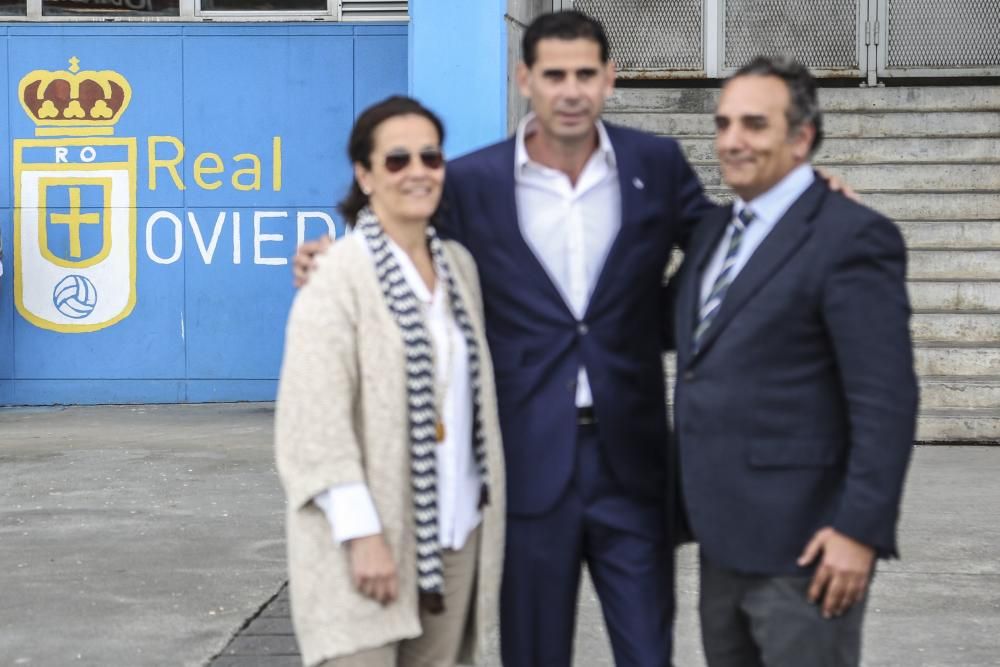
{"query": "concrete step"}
[(681, 100), (978, 425), (904, 205), (946, 296), (876, 150), (903, 98), (876, 177), (972, 360), (956, 327), (918, 206), (842, 124), (954, 265), (912, 124), (911, 98), (665, 123), (959, 392), (982, 177), (964, 234)]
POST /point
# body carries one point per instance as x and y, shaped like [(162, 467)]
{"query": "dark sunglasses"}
[(432, 158)]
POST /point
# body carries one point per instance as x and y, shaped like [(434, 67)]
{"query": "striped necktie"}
[(725, 278)]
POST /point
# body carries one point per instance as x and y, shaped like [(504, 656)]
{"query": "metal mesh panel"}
[(651, 34), (935, 33), (823, 34)]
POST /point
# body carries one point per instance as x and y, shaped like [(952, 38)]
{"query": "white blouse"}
[(349, 507)]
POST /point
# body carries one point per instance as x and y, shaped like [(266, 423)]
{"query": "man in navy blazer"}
[(796, 397), (571, 223)]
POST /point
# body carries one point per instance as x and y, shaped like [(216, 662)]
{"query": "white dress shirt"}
[(570, 228), (349, 507), (768, 209)]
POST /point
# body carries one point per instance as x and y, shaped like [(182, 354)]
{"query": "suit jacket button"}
[(688, 376), (582, 329)]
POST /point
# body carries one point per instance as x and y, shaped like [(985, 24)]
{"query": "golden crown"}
[(74, 102)]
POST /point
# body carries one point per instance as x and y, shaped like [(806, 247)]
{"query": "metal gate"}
[(938, 38), (651, 38), (825, 35), (835, 38)]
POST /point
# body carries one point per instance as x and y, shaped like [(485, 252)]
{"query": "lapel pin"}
[(637, 182)]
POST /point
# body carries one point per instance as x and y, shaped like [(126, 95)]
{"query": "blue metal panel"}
[(149, 343), (267, 30), (458, 67), (380, 29), (296, 88), (96, 392), (5, 168), (101, 30), (238, 303), (7, 243), (6, 302), (205, 314), (379, 71), (151, 64)]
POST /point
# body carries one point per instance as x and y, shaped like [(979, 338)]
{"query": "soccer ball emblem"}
[(75, 296)]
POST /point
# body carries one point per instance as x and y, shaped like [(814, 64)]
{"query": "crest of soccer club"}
[(74, 198)]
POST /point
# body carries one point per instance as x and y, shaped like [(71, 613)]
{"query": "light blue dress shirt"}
[(768, 209)]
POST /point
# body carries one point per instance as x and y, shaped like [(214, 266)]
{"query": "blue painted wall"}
[(208, 320), (458, 67), (212, 281)]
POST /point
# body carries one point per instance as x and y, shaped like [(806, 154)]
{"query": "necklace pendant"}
[(439, 431)]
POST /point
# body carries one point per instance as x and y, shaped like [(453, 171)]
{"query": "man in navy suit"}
[(571, 223), (796, 398)]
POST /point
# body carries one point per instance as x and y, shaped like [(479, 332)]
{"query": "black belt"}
[(585, 416)]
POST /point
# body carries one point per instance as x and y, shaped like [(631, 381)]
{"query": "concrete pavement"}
[(152, 535), (135, 535)]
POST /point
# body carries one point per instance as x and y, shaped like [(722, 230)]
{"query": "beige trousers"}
[(441, 640)]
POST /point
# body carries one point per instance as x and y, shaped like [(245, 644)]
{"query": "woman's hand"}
[(372, 568)]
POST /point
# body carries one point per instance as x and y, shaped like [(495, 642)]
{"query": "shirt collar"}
[(773, 204), (529, 125)]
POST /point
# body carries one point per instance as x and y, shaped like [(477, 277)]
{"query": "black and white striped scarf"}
[(405, 310)]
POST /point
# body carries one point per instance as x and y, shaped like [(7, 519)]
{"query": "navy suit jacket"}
[(799, 409), (536, 342)]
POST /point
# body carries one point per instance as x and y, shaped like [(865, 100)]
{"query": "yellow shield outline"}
[(43, 215), (19, 167)]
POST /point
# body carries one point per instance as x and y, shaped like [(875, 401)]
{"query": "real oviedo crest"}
[(74, 198)]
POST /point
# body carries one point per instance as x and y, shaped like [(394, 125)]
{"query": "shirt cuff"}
[(350, 511)]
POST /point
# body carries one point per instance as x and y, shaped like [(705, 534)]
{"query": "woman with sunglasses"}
[(387, 436)]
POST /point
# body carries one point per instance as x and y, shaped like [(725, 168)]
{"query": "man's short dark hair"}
[(568, 24), (803, 106)]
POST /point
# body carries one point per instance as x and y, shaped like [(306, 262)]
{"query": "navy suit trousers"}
[(624, 543)]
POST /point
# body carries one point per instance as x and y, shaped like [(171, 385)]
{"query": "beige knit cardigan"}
[(342, 418)]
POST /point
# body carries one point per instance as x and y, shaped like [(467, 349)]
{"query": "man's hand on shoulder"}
[(305, 259), (843, 573), (838, 184)]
